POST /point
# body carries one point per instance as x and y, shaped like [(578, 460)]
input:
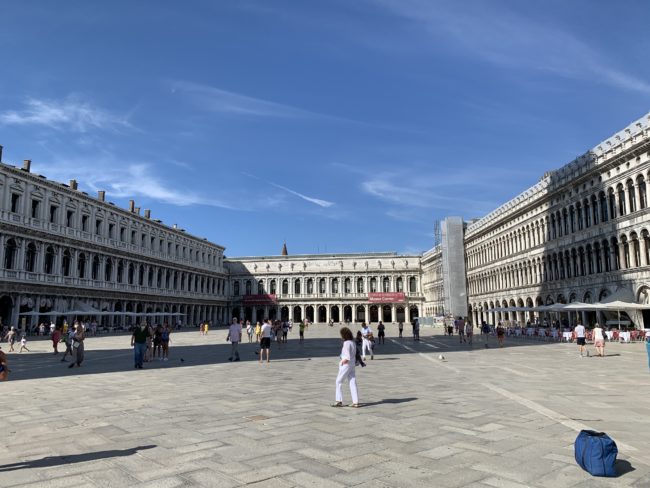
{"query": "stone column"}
[(15, 310)]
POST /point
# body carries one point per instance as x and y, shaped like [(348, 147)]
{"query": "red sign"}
[(259, 300), (396, 297)]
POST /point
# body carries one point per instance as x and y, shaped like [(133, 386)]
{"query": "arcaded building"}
[(579, 235), (64, 250), (322, 287)]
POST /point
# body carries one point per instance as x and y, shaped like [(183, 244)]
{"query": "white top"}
[(266, 330), (349, 352), (579, 330), (366, 331), (235, 333), (598, 334)]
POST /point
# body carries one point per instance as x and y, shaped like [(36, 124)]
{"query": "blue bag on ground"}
[(596, 453)]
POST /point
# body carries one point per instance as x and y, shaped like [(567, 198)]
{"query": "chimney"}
[(137, 210), (73, 184), (101, 195), (147, 214), (131, 205), (175, 226), (0, 154), (27, 164)]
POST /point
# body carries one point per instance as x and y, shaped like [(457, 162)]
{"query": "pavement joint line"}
[(558, 417), (428, 358)]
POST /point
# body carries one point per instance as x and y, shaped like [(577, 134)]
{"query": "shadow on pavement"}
[(52, 461), (623, 467), (390, 400)]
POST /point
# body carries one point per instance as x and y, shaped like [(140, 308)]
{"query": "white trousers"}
[(366, 345), (346, 371)]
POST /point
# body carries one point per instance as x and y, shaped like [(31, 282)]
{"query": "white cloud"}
[(69, 114), (126, 180), (503, 37)]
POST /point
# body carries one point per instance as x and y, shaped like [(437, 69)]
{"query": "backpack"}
[(596, 452)]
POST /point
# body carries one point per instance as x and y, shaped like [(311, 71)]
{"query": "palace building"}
[(581, 234)]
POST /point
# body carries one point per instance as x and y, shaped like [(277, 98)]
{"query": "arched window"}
[(81, 265), (131, 277), (400, 284), (598, 258), (360, 285), (612, 203), (159, 278), (616, 254), (373, 285), (285, 287), (385, 287), (626, 253), (49, 260), (108, 270), (167, 279), (65, 264), (249, 287), (590, 262), (579, 216), (260, 287), (587, 212), (150, 277), (235, 288), (603, 207), (94, 272), (643, 196), (10, 253), (631, 196), (296, 287), (120, 271), (621, 200), (310, 286), (273, 287), (321, 285), (335, 285), (347, 286), (606, 257), (594, 209), (412, 284), (141, 275), (30, 257), (572, 218)]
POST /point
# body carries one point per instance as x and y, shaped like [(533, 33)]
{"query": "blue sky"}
[(340, 126)]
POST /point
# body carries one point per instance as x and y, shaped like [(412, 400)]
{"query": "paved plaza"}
[(480, 418)]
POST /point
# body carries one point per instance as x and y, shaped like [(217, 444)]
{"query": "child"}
[(23, 343), (359, 343)]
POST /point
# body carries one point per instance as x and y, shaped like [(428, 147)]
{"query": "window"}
[(273, 289), (143, 239), (152, 243), (235, 288), (310, 286), (30, 257), (81, 265), (321, 285), (260, 288), (285, 287), (296, 287), (98, 227), (108, 270), (15, 200), (386, 285), (111, 231), (53, 213), (122, 233), (84, 223), (65, 264), (249, 287), (133, 236), (400, 284), (360, 285), (412, 284), (347, 286), (10, 253), (35, 208), (95, 268), (49, 260), (69, 218), (335, 285), (373, 285)]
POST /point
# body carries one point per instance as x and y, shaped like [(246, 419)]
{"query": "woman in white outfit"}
[(346, 369), (599, 341), (366, 334)]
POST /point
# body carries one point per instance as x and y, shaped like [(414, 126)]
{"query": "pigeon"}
[(441, 357), (182, 360)]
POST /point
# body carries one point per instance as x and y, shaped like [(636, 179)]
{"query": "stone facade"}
[(321, 287), (61, 249), (580, 234)]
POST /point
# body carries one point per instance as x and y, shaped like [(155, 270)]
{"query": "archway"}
[(260, 315), (347, 313), (284, 313), (273, 313), (374, 314), (400, 314), (413, 313), (334, 314), (236, 313), (386, 313), (297, 314), (322, 314), (6, 306), (309, 313), (361, 313), (248, 313)]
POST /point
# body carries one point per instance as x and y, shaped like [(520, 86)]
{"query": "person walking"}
[(249, 331), (139, 343), (165, 339), (265, 341), (234, 336), (301, 331), (581, 339), (11, 338), (157, 342), (599, 340), (400, 328), (23, 344), (460, 327), (500, 334), (56, 337), (78, 345), (366, 335), (381, 332), (258, 332), (485, 333), (416, 330), (68, 342), (469, 332), (285, 331), (346, 369)]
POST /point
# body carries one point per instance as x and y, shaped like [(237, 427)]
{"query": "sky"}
[(338, 126)]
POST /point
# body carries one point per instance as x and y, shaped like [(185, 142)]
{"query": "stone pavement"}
[(482, 418)]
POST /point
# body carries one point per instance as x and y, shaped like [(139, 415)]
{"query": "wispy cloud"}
[(71, 114), (126, 180), (316, 201), (506, 38)]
